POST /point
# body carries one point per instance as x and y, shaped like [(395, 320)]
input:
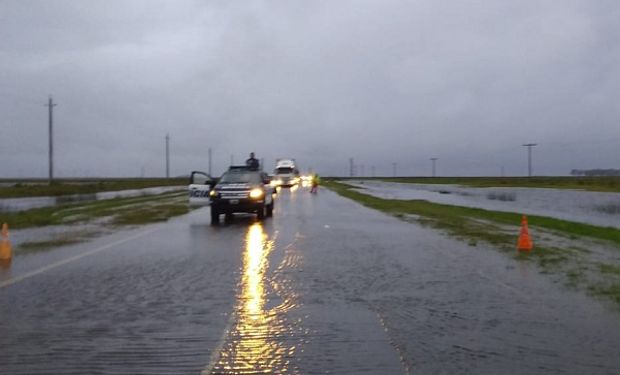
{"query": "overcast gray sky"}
[(381, 81)]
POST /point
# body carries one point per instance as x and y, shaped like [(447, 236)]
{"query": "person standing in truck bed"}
[(252, 162)]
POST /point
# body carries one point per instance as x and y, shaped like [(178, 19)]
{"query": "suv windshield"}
[(241, 177), (284, 170)]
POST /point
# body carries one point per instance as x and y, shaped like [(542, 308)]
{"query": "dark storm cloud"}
[(383, 82)]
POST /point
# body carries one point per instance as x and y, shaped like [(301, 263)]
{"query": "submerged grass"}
[(59, 240), (112, 212), (472, 225), (135, 210)]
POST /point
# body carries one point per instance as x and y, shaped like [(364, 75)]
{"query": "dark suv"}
[(241, 189)]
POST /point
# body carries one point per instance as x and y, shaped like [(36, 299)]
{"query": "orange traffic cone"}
[(525, 241), (6, 252)]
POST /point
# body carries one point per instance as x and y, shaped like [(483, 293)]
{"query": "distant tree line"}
[(595, 172)]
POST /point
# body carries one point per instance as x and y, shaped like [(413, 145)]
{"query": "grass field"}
[(604, 184), (40, 188)]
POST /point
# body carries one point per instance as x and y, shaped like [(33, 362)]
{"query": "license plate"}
[(234, 201)]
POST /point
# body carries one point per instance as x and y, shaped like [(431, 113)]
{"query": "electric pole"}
[(372, 171), (51, 106), (167, 156), (232, 159), (433, 160), (209, 161), (529, 158), (394, 169)]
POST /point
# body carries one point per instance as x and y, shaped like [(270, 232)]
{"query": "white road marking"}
[(60, 263)]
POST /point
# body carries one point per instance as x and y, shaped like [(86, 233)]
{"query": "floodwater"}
[(325, 286), (22, 204), (588, 207)]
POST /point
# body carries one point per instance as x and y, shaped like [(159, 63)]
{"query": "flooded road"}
[(588, 207), (326, 286)]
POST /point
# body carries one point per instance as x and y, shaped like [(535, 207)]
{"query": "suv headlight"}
[(213, 193), (256, 193)]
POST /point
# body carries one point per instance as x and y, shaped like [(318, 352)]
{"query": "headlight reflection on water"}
[(259, 340)]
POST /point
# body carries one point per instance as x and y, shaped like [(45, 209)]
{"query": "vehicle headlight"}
[(213, 193), (256, 193)]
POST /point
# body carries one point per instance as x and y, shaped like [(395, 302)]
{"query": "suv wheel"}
[(260, 213), (215, 216)]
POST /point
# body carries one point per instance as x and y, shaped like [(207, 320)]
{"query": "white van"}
[(286, 173)]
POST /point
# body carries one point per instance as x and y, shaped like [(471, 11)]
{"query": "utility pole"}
[(51, 106), (363, 171), (167, 156), (209, 161), (232, 159), (372, 171), (433, 160), (351, 167), (394, 169), (529, 158)]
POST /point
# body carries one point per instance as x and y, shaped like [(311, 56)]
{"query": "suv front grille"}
[(234, 194)]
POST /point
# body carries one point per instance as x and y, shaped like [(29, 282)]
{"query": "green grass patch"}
[(610, 269), (39, 188), (38, 246), (610, 291), (59, 239), (602, 183), (151, 214)]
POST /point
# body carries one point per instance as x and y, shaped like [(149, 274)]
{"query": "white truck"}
[(286, 173)]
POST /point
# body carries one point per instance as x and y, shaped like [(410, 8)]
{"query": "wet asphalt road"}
[(326, 286)]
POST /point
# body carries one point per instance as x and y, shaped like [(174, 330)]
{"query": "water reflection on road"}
[(259, 338)]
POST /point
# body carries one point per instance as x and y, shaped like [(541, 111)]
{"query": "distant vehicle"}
[(200, 185), (242, 190), (286, 173)]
